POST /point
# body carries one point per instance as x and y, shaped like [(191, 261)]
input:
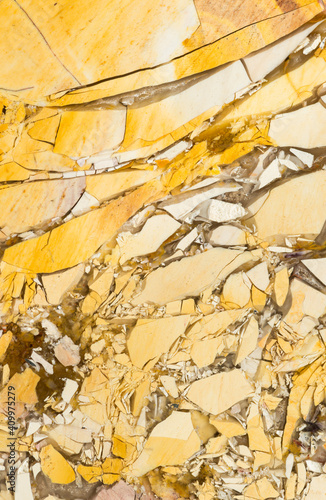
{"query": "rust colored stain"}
[(287, 5)]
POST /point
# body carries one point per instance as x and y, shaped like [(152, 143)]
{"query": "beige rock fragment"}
[(28, 205), (317, 267), (202, 425), (96, 389), (301, 212), (217, 446), (261, 459), (236, 291), (291, 487), (57, 284), (260, 490), (155, 231), (302, 128), (67, 352), (83, 133), (102, 283), (259, 276), (259, 64), (300, 383), (215, 323), (66, 444), (188, 306), (304, 352), (191, 275), (173, 308), (304, 156), (317, 488), (203, 352), (271, 402), (140, 396), (150, 339), (258, 440), (156, 120), (187, 205), (170, 385), (219, 392), (185, 242), (227, 236), (52, 332), (91, 303), (302, 477), (220, 211), (274, 97), (55, 466), (270, 174), (69, 244), (305, 301), (307, 402), (229, 428), (85, 203), (170, 443), (248, 342), (69, 390)]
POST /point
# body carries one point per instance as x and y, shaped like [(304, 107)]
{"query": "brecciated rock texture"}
[(162, 264)]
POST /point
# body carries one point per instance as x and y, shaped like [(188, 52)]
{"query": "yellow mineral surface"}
[(163, 250)]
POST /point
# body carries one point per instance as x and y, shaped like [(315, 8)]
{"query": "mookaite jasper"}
[(163, 258)]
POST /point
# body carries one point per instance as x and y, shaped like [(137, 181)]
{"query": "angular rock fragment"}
[(317, 267), (29, 205), (191, 275), (261, 63), (219, 392), (170, 114), (55, 466), (261, 489), (281, 286), (259, 276), (67, 352), (152, 338), (180, 207), (84, 133), (57, 284), (306, 301), (219, 211), (227, 236), (170, 443), (248, 340), (300, 129), (300, 202), (155, 231), (316, 488), (236, 291)]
